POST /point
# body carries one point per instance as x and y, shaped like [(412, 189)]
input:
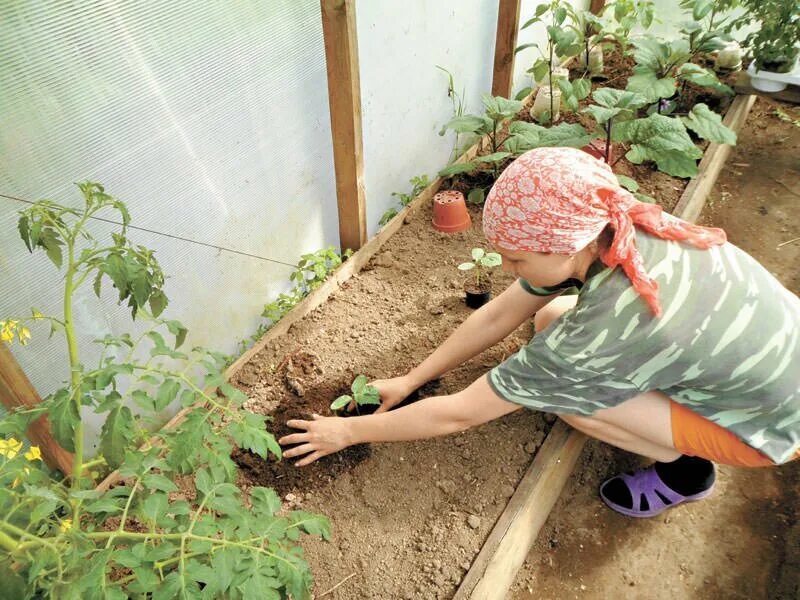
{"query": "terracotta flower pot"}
[(450, 212)]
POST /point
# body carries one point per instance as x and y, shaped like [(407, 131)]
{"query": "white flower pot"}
[(558, 73), (542, 103), (765, 81)]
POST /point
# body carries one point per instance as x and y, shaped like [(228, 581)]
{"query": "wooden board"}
[(344, 97), (17, 391), (495, 568), (493, 571), (597, 6), (694, 196), (505, 43), (743, 86)]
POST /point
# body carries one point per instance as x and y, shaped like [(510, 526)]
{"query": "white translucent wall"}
[(209, 119)]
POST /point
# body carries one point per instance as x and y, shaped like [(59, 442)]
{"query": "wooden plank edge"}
[(560, 450), (494, 569), (694, 196)]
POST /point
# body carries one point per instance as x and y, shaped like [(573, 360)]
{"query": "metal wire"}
[(171, 236)]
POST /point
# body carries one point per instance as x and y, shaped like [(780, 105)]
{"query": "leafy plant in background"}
[(590, 30), (659, 67), (481, 262), (562, 42), (633, 187), (61, 538), (622, 16), (363, 395), (612, 105), (710, 26), (459, 107), (775, 42), (498, 110), (418, 184)]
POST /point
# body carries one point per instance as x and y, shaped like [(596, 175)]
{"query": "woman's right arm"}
[(482, 329)]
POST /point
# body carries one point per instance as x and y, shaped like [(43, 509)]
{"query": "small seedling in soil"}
[(363, 395), (481, 262)]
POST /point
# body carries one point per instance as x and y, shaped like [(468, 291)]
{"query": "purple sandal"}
[(647, 483)]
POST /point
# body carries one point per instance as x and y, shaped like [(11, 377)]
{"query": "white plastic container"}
[(542, 103), (595, 60), (767, 81), (558, 73)]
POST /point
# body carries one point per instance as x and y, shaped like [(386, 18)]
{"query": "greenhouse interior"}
[(356, 299)]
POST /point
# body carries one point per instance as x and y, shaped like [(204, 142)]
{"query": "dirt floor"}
[(745, 541), (407, 518)]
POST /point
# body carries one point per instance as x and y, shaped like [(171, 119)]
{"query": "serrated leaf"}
[(251, 433), (311, 524), (103, 505), (156, 481), (708, 125), (154, 507), (166, 394), (64, 418), (265, 501), (370, 395), (117, 434), (158, 302)]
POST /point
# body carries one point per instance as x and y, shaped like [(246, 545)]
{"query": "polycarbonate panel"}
[(209, 119)]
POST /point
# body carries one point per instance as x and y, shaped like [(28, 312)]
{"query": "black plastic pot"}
[(477, 299)]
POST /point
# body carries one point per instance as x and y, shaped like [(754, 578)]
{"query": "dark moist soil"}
[(408, 518), (743, 543), (664, 188)]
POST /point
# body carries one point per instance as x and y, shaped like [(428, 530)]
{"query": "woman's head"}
[(547, 209)]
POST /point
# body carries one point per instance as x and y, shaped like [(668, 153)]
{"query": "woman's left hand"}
[(320, 437)]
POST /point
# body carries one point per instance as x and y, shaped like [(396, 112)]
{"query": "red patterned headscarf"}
[(558, 200)]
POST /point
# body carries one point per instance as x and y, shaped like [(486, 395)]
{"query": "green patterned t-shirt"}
[(727, 345)]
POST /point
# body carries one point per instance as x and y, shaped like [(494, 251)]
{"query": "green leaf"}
[(478, 253), (117, 435), (476, 196), (359, 383), (466, 124), (43, 510), (466, 266), (703, 77), (311, 524), (662, 140), (523, 93), (154, 508), (530, 135), (539, 70), (251, 433), (645, 198), (581, 88), (158, 302), (265, 501), (177, 329), (628, 183), (64, 418), (494, 157), (23, 226), (457, 168), (623, 99), (156, 481), (169, 588), (103, 505), (492, 259), (708, 125), (341, 402), (651, 87), (370, 395), (167, 393)]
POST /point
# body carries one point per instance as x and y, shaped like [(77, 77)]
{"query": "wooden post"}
[(597, 6), (16, 391), (344, 97), (505, 43)]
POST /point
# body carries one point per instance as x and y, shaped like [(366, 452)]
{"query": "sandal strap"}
[(647, 482)]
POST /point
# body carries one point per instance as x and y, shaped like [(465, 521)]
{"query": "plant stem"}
[(550, 81), (8, 543), (608, 141)]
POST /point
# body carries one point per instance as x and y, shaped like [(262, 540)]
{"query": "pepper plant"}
[(363, 395), (481, 262), (64, 538), (418, 184)]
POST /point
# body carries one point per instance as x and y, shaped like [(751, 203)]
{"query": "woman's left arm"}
[(429, 417)]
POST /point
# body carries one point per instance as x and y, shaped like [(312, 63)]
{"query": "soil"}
[(743, 542), (407, 518)]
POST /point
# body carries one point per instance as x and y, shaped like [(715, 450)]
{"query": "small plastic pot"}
[(477, 299), (595, 60), (729, 57), (450, 213), (541, 104)]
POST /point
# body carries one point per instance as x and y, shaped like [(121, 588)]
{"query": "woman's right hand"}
[(393, 391)]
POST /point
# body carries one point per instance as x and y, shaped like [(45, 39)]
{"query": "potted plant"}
[(774, 44), (478, 289)]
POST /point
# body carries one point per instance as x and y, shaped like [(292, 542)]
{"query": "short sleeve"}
[(540, 291), (539, 378)]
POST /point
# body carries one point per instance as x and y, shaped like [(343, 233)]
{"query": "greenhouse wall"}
[(211, 122)]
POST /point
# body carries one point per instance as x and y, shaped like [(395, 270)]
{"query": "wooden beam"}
[(597, 6), (694, 196), (505, 43), (494, 569), (344, 97), (17, 391)]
